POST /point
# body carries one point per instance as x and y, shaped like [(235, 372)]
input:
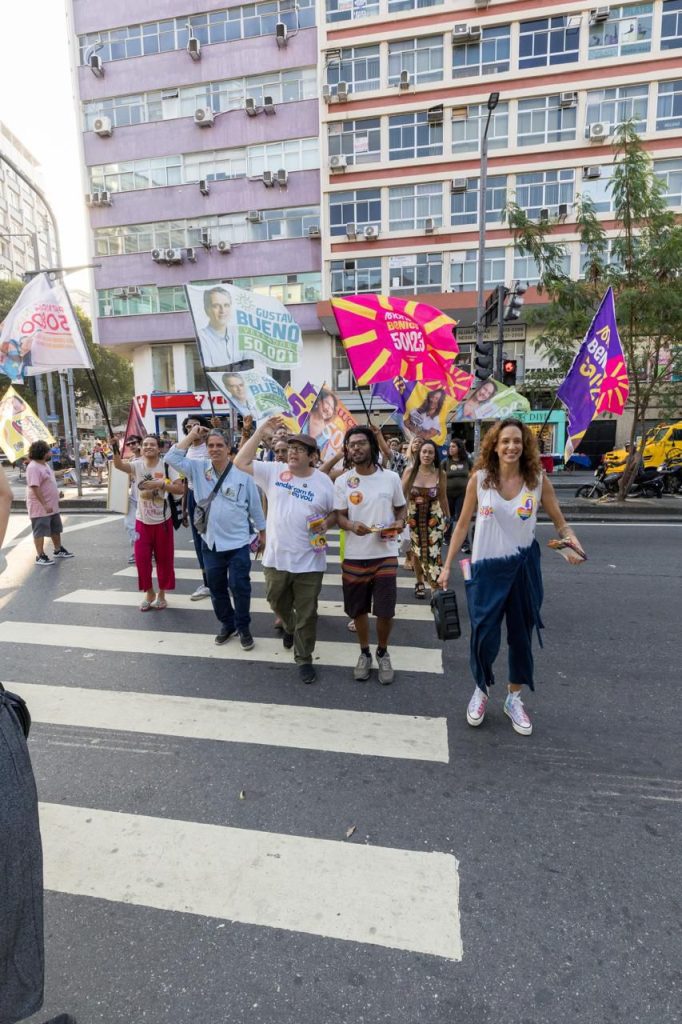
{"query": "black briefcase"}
[(446, 615)]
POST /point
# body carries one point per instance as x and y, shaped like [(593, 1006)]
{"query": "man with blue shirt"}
[(225, 545)]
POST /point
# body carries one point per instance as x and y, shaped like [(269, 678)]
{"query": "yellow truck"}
[(662, 443)]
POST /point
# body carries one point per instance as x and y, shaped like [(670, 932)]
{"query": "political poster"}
[(232, 324), (40, 333), (427, 411), (491, 401), (328, 422), (252, 393), (300, 403), (19, 426)]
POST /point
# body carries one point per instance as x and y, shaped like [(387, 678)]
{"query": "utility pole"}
[(493, 100)]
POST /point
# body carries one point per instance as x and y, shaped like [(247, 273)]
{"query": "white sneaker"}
[(477, 707), (513, 707), (200, 593)]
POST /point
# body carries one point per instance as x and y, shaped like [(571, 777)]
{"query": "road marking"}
[(330, 579), (228, 721), (156, 642), (182, 554), (400, 899), (128, 599)]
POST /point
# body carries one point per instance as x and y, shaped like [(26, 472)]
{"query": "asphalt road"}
[(194, 877)]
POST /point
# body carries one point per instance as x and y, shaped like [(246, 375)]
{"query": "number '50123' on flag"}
[(40, 333)]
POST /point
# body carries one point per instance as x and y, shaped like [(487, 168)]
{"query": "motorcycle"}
[(604, 483), (671, 471), (648, 483)]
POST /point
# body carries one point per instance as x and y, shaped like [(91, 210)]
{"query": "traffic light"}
[(509, 372), (483, 359), (515, 302)]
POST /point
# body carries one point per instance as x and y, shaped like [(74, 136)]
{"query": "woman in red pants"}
[(153, 525)]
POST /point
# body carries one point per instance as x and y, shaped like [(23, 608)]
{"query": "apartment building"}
[(25, 234), (200, 134)]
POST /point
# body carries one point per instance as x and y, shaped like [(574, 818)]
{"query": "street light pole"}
[(493, 100)]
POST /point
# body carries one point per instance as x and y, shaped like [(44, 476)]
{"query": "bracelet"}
[(565, 530)]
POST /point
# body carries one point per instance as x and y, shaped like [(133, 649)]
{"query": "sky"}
[(36, 103)]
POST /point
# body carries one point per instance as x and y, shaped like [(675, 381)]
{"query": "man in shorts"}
[(42, 502), (370, 507)]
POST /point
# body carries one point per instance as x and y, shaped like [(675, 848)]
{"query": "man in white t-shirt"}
[(370, 506), (300, 511)]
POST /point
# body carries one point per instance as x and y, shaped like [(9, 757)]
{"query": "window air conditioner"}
[(544, 215), (254, 217), (268, 179), (194, 48), (599, 14), (314, 231), (371, 233), (599, 131), (173, 256), (90, 198), (268, 105), (404, 82), (459, 185), (96, 65), (429, 225), (342, 91), (224, 247), (465, 34), (281, 33), (562, 211), (567, 99), (104, 199), (594, 171), (481, 3), (349, 265), (338, 163), (326, 94), (282, 177), (157, 255), (250, 106), (191, 254), (204, 117), (102, 126), (203, 187), (351, 233), (434, 115), (205, 239)]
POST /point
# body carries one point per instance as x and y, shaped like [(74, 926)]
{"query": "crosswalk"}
[(330, 888)]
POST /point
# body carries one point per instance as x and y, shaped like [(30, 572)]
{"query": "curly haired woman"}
[(508, 487)]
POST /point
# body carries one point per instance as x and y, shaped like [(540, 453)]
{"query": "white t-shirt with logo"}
[(370, 500), (292, 500), (504, 527)]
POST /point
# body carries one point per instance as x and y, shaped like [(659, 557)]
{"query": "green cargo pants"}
[(293, 596)]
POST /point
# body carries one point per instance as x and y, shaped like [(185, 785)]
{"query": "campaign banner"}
[(40, 333), (490, 401), (232, 324), (426, 413), (252, 393), (328, 422), (300, 404), (19, 426)]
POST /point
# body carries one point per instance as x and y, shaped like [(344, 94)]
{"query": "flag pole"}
[(201, 354), (364, 406), (549, 413)]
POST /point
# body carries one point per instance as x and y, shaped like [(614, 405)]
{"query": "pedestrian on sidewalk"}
[(507, 488), (371, 509), (300, 503), (153, 526), (424, 487), (42, 502), (134, 442), (98, 463), (198, 451), (457, 468), (226, 552)]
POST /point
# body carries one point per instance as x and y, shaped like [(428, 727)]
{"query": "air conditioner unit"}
[(349, 264), (268, 179), (343, 380), (371, 233), (434, 115), (568, 99), (338, 163), (599, 14), (224, 247), (268, 105), (481, 3), (544, 215), (102, 126), (429, 225), (594, 171), (465, 34), (90, 198), (96, 65), (173, 255), (104, 198), (133, 292), (157, 255), (194, 48), (314, 231), (282, 177), (250, 106), (281, 33), (203, 187), (254, 217), (204, 117), (562, 211), (326, 94), (459, 185), (205, 239), (599, 131), (404, 82), (342, 92), (191, 254), (351, 233)]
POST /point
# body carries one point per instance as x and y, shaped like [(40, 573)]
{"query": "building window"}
[(291, 223), (350, 277), (214, 165), (549, 41), (142, 299), (614, 106), (490, 56), (669, 109), (607, 257), (422, 58), (598, 189), (467, 128), (194, 371), (527, 270), (464, 269), (409, 206), (411, 5), (416, 274), (291, 289), (131, 175), (412, 135), (545, 190), (542, 120), (627, 30), (359, 141), (464, 204), (350, 10), (163, 375), (358, 208), (670, 173), (291, 155), (671, 27), (357, 66)]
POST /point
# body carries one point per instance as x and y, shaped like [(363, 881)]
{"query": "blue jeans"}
[(196, 536), (229, 572)]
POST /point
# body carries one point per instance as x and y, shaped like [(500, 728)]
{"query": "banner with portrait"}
[(491, 401), (328, 422), (19, 426), (252, 393), (427, 411)]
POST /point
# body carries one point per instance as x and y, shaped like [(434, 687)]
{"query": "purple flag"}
[(396, 392)]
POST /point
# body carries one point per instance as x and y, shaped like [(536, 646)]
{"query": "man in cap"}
[(300, 509)]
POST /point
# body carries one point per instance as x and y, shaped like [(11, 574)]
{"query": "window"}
[(349, 277), (358, 208), (292, 289), (467, 128), (419, 273), (613, 106), (162, 368), (599, 189), (214, 165), (292, 155), (670, 173), (292, 223), (544, 190), (549, 41), (542, 120), (490, 56), (350, 10), (359, 141), (607, 256), (138, 300), (627, 30), (131, 175), (194, 371), (669, 109), (357, 66), (464, 269), (526, 269), (422, 58), (411, 136), (410, 205), (671, 26), (464, 205), (411, 5)]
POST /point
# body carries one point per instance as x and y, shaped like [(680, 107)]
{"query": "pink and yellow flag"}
[(390, 337)]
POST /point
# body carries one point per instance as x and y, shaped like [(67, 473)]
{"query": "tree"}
[(643, 265)]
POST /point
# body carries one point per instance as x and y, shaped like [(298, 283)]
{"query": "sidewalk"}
[(94, 498)]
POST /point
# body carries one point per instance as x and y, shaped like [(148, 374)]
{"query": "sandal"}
[(145, 606), (420, 591), (351, 627), (159, 604)]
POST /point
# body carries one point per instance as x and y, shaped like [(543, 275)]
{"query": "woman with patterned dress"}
[(424, 486), (506, 490)]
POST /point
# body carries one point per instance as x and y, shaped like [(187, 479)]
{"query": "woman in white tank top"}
[(506, 489)]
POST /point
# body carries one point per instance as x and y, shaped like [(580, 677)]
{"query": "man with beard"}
[(370, 507)]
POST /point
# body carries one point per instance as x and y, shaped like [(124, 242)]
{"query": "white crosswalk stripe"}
[(330, 579)]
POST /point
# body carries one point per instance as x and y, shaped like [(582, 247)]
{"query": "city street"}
[(224, 845)]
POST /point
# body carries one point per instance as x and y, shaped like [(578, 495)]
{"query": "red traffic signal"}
[(509, 372)]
